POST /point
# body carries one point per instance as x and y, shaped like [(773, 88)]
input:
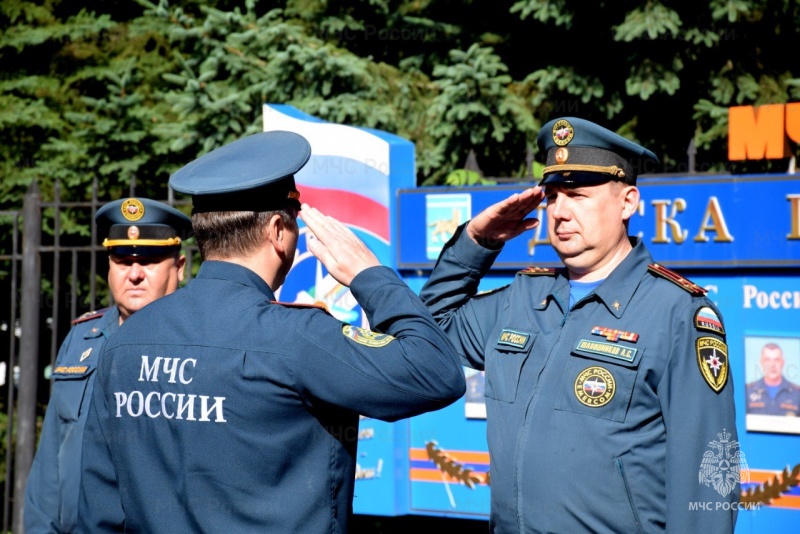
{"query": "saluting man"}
[(609, 403), (143, 238), (218, 409)]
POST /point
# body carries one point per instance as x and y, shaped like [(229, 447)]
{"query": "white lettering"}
[(776, 300), (121, 400), (147, 402), (170, 368), (164, 411), (181, 376), (140, 397), (149, 373), (187, 406), (217, 406)]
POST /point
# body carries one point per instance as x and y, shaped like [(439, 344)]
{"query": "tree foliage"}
[(118, 90)]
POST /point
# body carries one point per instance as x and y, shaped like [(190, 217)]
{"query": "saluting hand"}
[(336, 246), (507, 219)]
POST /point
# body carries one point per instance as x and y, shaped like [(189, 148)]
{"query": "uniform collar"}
[(232, 272), (105, 325), (617, 290)]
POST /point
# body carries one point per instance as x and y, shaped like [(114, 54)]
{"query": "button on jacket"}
[(248, 409), (51, 492), (601, 418)]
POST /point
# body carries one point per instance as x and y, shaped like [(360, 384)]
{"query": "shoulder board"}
[(88, 316), (676, 279), (538, 271), (316, 305)]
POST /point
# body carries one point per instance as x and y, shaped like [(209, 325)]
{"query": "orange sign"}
[(762, 132)]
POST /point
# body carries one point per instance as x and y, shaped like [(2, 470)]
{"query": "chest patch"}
[(71, 369), (513, 339), (365, 337), (607, 349), (595, 387), (707, 319), (712, 358)]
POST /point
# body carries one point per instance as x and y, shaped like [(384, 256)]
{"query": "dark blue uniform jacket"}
[(601, 418), (219, 411), (51, 492)]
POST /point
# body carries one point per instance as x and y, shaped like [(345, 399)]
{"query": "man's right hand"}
[(336, 246), (506, 220)]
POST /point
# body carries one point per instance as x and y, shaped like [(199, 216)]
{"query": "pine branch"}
[(450, 466), (772, 489)]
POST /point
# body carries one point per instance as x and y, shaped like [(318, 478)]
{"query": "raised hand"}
[(506, 219), (336, 246)]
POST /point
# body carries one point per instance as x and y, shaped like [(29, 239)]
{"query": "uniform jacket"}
[(51, 491), (786, 401), (599, 418), (218, 411)]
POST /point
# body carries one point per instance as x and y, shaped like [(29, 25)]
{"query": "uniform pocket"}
[(70, 393), (599, 379), (504, 363)]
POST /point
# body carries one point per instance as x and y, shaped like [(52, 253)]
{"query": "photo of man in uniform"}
[(773, 394)]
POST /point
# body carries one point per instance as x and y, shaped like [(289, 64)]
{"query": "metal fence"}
[(46, 280)]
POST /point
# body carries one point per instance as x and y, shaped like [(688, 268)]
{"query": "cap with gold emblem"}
[(581, 152), (254, 173), (139, 226)]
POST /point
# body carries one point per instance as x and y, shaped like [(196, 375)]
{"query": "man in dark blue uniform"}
[(218, 409), (143, 238), (609, 405), (773, 394)]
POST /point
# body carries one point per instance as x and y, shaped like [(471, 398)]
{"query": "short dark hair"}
[(224, 234)]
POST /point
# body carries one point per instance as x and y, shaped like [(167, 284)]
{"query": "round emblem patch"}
[(133, 233), (562, 132), (132, 209), (595, 387), (362, 336), (562, 154)]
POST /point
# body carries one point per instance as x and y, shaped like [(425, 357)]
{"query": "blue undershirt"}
[(578, 290)]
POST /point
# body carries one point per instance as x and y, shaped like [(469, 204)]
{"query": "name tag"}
[(513, 339), (608, 349)]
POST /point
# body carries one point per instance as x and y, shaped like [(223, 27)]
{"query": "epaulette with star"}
[(676, 279), (316, 305), (88, 316), (539, 271)]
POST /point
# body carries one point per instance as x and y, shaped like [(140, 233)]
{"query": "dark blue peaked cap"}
[(255, 173), (582, 152), (141, 227)]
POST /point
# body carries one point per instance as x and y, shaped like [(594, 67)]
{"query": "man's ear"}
[(630, 201), (181, 263), (276, 232)]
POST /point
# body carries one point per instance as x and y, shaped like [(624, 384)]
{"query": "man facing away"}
[(609, 405), (143, 238), (219, 409)]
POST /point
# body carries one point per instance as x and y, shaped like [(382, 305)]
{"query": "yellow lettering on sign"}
[(665, 223), (718, 225), (794, 202)]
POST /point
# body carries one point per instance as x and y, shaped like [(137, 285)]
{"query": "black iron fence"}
[(47, 278)]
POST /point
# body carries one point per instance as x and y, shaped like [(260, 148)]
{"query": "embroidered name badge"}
[(712, 358), (513, 339), (365, 337), (707, 319), (607, 349), (612, 334), (595, 387), (71, 370)]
